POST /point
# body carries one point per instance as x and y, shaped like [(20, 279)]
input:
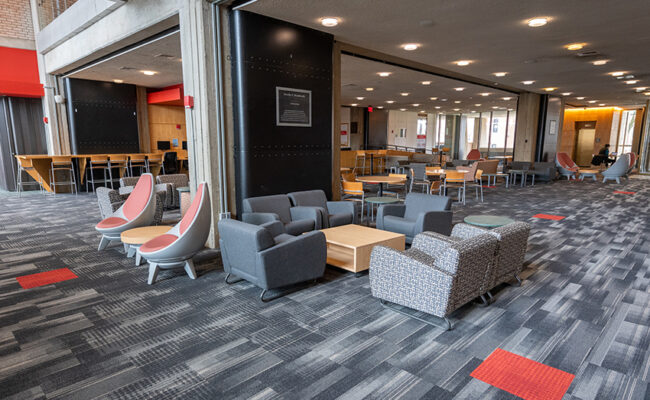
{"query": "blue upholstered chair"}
[(268, 258), (420, 212), (618, 169), (265, 209), (332, 213)]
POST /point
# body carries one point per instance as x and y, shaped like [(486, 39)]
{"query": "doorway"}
[(585, 146)]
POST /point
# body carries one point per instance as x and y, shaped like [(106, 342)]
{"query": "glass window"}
[(498, 133), (484, 134), (626, 132)]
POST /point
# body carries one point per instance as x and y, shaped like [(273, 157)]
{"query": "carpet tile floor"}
[(584, 308)]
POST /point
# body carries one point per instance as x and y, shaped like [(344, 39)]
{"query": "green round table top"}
[(488, 221), (183, 189), (382, 200)]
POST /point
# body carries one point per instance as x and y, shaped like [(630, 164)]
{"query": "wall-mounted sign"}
[(344, 135), (292, 107), (552, 127)]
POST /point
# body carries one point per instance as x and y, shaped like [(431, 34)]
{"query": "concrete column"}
[(526, 126), (203, 119)]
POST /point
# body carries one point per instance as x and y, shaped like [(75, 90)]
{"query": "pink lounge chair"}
[(633, 157), (474, 154), (566, 165), (138, 210), (177, 247)]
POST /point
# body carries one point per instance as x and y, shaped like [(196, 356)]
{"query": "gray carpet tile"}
[(584, 308)]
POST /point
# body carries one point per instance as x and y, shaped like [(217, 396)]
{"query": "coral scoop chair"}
[(138, 210), (474, 154), (566, 165), (177, 247)]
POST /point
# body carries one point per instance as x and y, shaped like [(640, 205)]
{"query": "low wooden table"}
[(134, 238), (349, 246), (588, 172)]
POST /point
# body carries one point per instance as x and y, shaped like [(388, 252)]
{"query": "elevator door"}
[(585, 148)]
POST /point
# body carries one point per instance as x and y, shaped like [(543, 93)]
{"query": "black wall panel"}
[(271, 159), (102, 117)]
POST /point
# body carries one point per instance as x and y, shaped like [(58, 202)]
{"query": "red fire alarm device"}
[(178, 126), (45, 120), (369, 109), (188, 101)]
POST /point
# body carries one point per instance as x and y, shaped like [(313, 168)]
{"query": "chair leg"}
[(189, 268), (484, 301), (138, 259), (518, 279), (231, 282), (153, 273), (131, 251), (448, 326), (103, 243), (126, 248)]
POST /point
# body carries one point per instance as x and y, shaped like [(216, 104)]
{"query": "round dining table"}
[(381, 180)]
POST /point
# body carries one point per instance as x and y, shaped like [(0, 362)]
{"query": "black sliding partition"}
[(282, 87), (102, 117)]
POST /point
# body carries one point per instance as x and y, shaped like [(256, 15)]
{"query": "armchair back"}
[(278, 204), (417, 203)]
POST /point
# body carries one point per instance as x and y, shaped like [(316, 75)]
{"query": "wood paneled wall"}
[(164, 123)]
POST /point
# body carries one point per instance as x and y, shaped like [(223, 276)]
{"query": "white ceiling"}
[(495, 36), (162, 56), (357, 74)]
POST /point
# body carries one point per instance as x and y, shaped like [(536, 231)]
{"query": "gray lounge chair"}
[(618, 169), (265, 209), (252, 253), (544, 171), (420, 212), (333, 213)]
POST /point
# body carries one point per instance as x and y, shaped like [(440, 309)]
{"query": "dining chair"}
[(455, 179), (400, 187), (99, 162), (121, 163), (418, 176), (360, 162), (353, 191), (155, 160)]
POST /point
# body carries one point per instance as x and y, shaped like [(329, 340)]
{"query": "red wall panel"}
[(19, 73)]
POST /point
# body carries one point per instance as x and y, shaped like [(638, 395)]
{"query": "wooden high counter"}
[(348, 157)]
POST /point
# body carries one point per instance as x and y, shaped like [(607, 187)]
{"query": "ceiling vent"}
[(127, 68), (351, 85), (588, 53), (167, 56)]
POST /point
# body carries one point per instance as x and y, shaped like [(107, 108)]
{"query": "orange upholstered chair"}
[(566, 165), (474, 154)]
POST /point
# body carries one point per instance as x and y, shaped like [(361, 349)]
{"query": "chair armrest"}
[(311, 213), (125, 189), (466, 231), (396, 210), (434, 221), (340, 207), (116, 206), (295, 260), (259, 218), (275, 227)]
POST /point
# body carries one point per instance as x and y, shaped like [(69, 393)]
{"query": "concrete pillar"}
[(196, 33), (526, 126)]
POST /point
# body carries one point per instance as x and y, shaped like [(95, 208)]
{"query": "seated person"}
[(602, 157)]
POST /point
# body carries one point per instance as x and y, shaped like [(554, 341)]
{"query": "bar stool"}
[(119, 161), (137, 161), (360, 162), (25, 165), (155, 161), (62, 164), (99, 162)]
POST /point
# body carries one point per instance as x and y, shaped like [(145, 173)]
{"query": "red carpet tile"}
[(489, 187), (523, 377), (622, 192), (45, 278), (549, 216)]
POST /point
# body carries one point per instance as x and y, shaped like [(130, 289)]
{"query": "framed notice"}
[(552, 127), (344, 135), (292, 107)]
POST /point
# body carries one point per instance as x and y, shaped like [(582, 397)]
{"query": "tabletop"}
[(143, 234), (488, 221), (382, 200), (380, 179)]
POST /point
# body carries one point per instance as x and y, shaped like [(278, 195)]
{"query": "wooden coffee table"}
[(588, 172), (349, 246), (134, 238)]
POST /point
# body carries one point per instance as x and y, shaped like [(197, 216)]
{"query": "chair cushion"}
[(399, 225), (281, 238), (191, 212), (299, 227), (139, 198), (111, 222), (158, 243), (340, 219), (417, 203)]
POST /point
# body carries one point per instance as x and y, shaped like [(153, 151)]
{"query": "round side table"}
[(134, 238), (372, 201), (488, 221)]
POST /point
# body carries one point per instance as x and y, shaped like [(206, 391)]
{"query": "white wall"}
[(409, 120)]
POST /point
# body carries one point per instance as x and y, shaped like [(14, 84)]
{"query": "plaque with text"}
[(293, 107)]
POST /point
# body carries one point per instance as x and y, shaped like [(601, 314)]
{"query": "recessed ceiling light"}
[(118, 81), (462, 63), (149, 73), (647, 93), (404, 94), (600, 62), (416, 105), (443, 99), (575, 46), (384, 74), (549, 89), (360, 98), (506, 98), (500, 74), (402, 109), (495, 107), (631, 82), (592, 101), (380, 107), (438, 107), (459, 89), (456, 109), (369, 89), (477, 105), (566, 94), (527, 82), (580, 98), (390, 101), (457, 101), (433, 98), (617, 73), (329, 21), (484, 94), (640, 89), (354, 104), (472, 111), (426, 83), (601, 104), (410, 46), (537, 22), (422, 111)]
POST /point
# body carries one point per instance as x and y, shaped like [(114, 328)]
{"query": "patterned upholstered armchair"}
[(437, 275), (511, 249), (175, 181), (164, 191)]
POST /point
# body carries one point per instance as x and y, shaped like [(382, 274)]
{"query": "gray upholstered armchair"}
[(264, 209), (252, 253), (420, 212), (618, 169), (175, 181), (333, 213), (437, 275), (511, 249), (544, 171)]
